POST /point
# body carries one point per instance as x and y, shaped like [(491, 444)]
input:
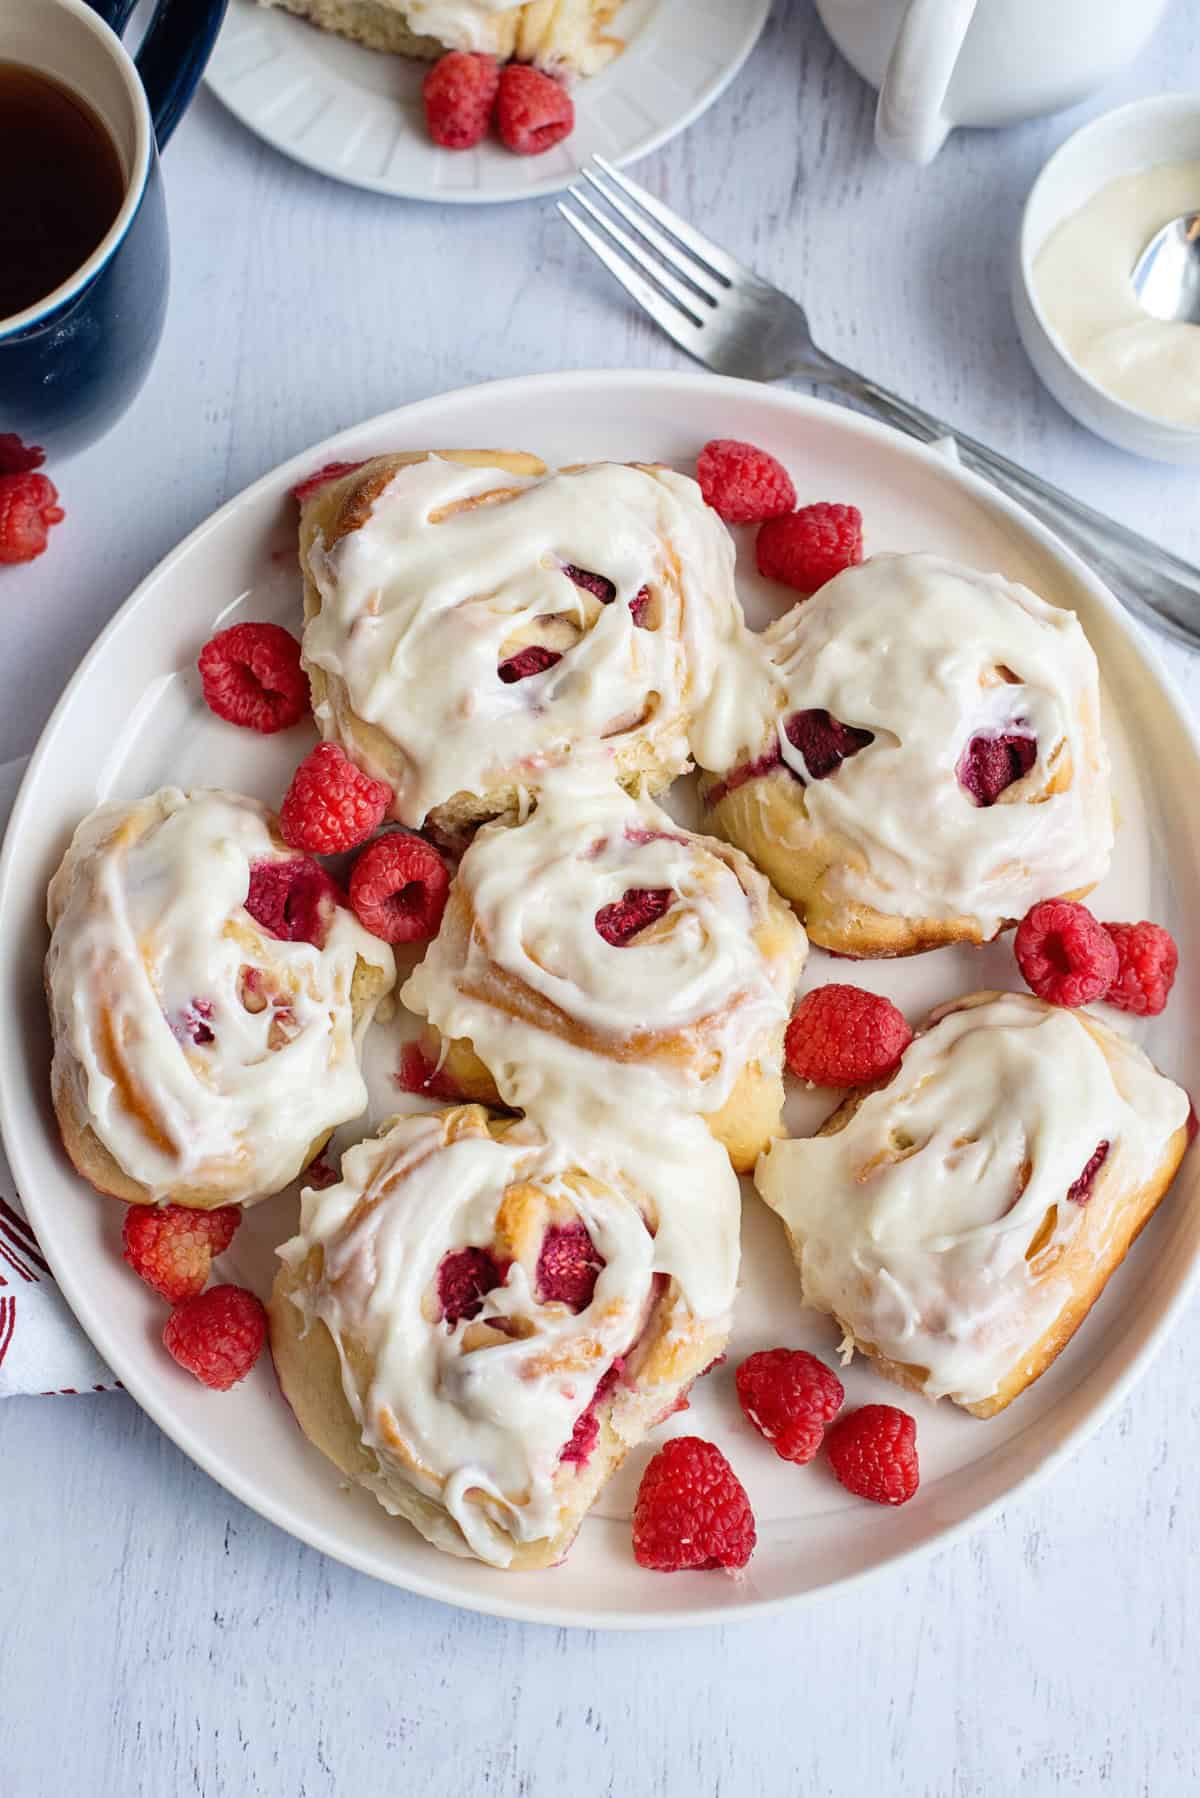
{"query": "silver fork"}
[(733, 321)]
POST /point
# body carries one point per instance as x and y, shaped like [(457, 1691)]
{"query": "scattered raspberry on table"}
[(251, 676), (807, 548), (789, 1396), (533, 111), (331, 805), (29, 509), (1065, 955), (399, 888), (692, 1511), (218, 1335), (742, 483), (171, 1247), (1147, 960), (459, 93), (841, 1035), (873, 1452)]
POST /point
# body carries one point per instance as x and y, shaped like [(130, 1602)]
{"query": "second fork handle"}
[(1158, 587)]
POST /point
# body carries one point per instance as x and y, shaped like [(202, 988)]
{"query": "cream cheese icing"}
[(913, 1225), (153, 966), (482, 1430), (928, 655), (423, 602)]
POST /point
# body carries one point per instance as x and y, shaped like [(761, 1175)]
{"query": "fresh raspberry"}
[(321, 477), (464, 1278), (789, 1396), (1065, 954), (1146, 962), (460, 95), (171, 1247), (873, 1452), (218, 1335), (808, 547), (568, 1267), (824, 741), (331, 805), (293, 901), (743, 484), (534, 660), (990, 765), (399, 888), (418, 1074), (692, 1510), (17, 457), (1081, 1190), (533, 112), (252, 676), (28, 508), (620, 922), (586, 1433), (843, 1036)]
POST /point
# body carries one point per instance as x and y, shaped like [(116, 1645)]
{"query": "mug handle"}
[(173, 53), (910, 121)]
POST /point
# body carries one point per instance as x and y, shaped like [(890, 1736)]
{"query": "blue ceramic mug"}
[(71, 363)]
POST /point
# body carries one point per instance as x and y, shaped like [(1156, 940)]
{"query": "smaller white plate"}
[(356, 114)]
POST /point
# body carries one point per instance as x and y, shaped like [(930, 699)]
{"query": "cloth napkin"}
[(42, 1348)]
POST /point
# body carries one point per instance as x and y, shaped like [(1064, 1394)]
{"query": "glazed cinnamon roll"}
[(208, 991), (960, 1221), (473, 621), (920, 760), (601, 947), (481, 1319)]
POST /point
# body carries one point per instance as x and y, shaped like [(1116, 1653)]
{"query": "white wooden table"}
[(155, 1637)]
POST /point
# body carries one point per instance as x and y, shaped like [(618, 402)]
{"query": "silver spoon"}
[(1166, 276)]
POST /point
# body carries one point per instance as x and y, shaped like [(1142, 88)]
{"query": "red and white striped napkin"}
[(42, 1348)]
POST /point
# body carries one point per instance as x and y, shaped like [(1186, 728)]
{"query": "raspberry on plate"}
[(533, 111), (1146, 963), (460, 95), (251, 676), (844, 1036), (320, 477), (28, 509), (743, 484), (218, 1335), (873, 1452), (692, 1511), (171, 1247), (1066, 955), (331, 805), (789, 1396), (807, 548), (399, 888)]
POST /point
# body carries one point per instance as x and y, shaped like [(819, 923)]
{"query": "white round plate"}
[(133, 719), (356, 114)]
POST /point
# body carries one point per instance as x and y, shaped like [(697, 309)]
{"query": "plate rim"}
[(759, 13), (1095, 1409)]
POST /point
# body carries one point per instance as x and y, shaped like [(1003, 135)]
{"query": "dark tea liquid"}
[(61, 185)]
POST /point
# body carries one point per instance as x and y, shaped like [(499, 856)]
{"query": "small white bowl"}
[(1123, 142)]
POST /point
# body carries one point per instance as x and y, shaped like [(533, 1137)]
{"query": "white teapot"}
[(942, 63)]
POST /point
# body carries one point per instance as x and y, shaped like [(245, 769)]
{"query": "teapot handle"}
[(910, 122)]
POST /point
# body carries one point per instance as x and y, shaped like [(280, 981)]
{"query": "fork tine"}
[(675, 256), (718, 261), (676, 324), (662, 277)]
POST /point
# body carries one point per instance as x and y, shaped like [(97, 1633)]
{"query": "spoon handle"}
[(1161, 589)]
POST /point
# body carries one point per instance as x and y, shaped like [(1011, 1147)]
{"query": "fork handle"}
[(1158, 587)]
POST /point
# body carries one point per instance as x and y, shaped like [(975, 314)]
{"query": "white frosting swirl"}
[(928, 655), (914, 1223), (702, 971), (201, 1049), (422, 603), (475, 1413)]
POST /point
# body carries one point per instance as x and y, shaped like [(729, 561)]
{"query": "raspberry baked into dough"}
[(960, 1221), (598, 953), (482, 1319), (564, 36), (921, 759), (209, 992), (472, 621)]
